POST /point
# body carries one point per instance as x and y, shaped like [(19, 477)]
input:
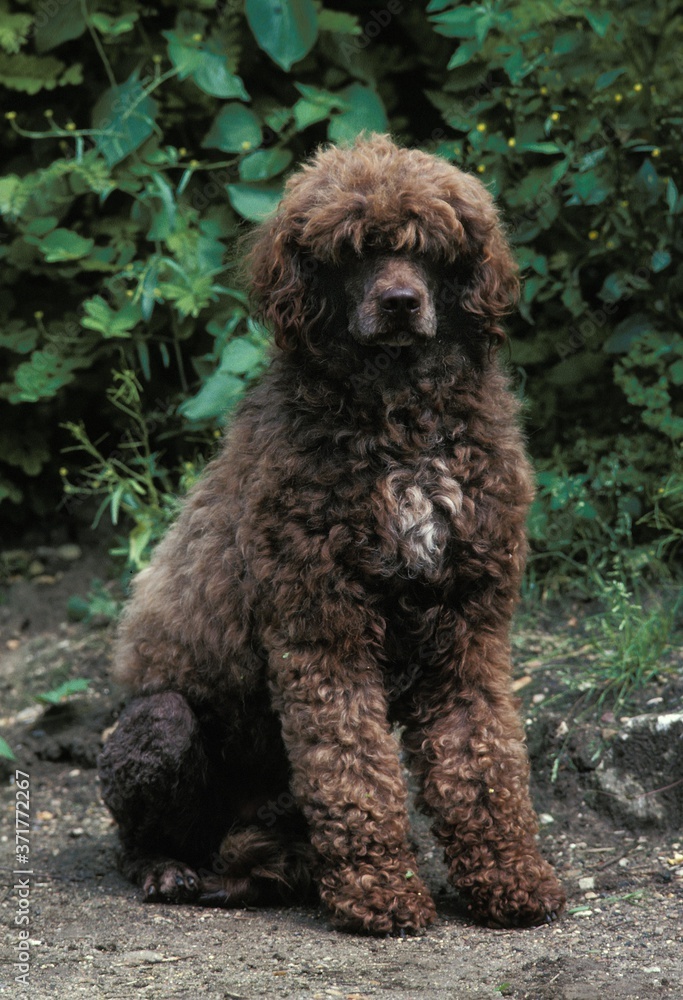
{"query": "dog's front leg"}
[(347, 779), (469, 755)]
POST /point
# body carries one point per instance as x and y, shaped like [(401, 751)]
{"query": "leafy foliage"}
[(123, 198)]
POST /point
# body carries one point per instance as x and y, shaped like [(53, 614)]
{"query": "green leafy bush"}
[(150, 138)]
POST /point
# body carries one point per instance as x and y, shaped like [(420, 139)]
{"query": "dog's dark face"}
[(391, 300)]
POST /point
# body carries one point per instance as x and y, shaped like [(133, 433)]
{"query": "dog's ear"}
[(282, 283), (494, 287)]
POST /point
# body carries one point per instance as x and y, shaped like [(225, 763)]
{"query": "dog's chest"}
[(415, 508)]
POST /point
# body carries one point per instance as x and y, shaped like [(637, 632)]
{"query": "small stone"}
[(545, 819), (538, 698), (69, 553), (590, 895), (29, 715), (584, 913), (141, 957), (77, 831), (586, 883), (12, 644), (36, 567)]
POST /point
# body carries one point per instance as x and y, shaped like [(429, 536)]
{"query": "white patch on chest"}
[(418, 507)]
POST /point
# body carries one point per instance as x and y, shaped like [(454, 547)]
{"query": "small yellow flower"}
[(70, 127), (182, 151), (48, 112), (610, 244), (217, 434), (129, 293), (194, 163), (625, 203), (544, 91), (481, 127), (512, 142), (38, 314), (555, 116), (63, 471), (10, 115), (481, 168), (128, 267), (156, 58), (637, 87), (246, 145), (593, 234), (656, 152), (618, 98), (198, 37)]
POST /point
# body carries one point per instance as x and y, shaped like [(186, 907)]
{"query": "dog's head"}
[(398, 238)]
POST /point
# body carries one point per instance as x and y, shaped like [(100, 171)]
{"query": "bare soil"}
[(91, 936)]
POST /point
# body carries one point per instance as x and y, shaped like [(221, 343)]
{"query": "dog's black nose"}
[(397, 301)]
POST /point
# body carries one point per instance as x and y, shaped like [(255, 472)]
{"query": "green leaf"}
[(660, 260), (464, 52), (30, 74), (607, 79), (193, 295), (672, 198), (599, 21), (10, 186), (126, 115), (545, 148), (109, 322), (14, 30), (14, 336), (339, 22), (6, 750), (54, 26), (218, 394), (240, 356), (589, 188), (64, 690), (647, 183), (254, 202), (235, 129), (264, 164), (315, 106), (285, 29), (205, 64), (366, 113), (627, 332), (463, 22), (114, 26), (42, 376), (214, 78), (61, 245)]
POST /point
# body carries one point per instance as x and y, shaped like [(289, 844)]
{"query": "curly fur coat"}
[(350, 560)]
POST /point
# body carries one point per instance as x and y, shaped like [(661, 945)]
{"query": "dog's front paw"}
[(515, 898), (378, 901), (167, 881)]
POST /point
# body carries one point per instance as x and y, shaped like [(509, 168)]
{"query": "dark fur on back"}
[(350, 559)]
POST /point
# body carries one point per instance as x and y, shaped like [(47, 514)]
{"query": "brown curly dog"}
[(350, 560)]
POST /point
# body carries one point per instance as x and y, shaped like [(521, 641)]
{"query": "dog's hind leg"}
[(154, 770)]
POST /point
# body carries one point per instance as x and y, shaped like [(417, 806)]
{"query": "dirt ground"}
[(88, 934)]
